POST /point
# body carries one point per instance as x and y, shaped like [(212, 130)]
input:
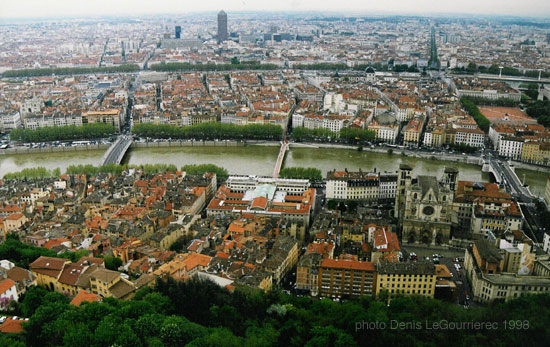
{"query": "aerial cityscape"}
[(274, 175)]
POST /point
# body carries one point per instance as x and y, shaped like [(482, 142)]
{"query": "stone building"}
[(425, 206)]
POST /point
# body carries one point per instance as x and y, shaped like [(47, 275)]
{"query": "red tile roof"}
[(70, 274), (48, 266), (15, 216), (259, 202), (84, 295), (348, 264), (5, 285), (11, 326)]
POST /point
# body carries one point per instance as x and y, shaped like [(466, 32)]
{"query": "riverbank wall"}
[(532, 167), (187, 144), (24, 150)]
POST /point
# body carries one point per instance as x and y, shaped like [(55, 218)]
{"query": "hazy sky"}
[(55, 8)]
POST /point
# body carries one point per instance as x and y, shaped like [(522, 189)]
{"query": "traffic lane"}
[(464, 290), (458, 278)]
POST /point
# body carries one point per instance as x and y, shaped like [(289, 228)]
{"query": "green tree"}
[(177, 246), (69, 71), (62, 133), (310, 173), (532, 91), (472, 109), (148, 325), (342, 206), (332, 204), (78, 335), (330, 336), (472, 67), (178, 331), (217, 337), (201, 169), (112, 263)]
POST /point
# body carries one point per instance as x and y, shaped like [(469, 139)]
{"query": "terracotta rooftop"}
[(348, 264), (84, 296), (5, 285), (11, 326), (49, 266)]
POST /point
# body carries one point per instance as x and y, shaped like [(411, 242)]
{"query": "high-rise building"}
[(222, 26), (178, 32)]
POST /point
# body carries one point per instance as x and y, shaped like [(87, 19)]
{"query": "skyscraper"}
[(222, 26), (178, 32)]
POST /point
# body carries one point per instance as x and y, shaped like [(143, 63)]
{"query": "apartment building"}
[(406, 278), (359, 185), (478, 88), (468, 194), (491, 218), (413, 130), (307, 273), (470, 137), (485, 265), (110, 116), (10, 121), (386, 127), (510, 147), (343, 278)]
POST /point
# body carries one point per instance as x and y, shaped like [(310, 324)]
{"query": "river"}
[(260, 160)]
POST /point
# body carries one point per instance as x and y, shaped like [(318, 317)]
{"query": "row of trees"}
[(116, 169), (210, 131), (310, 173), (63, 133), (201, 313), (70, 70), (350, 135), (405, 68), (321, 66), (353, 134), (305, 134), (33, 173), (236, 65), (341, 66), (92, 170), (201, 169), (461, 147), (169, 67), (495, 70), (493, 102), (472, 109)]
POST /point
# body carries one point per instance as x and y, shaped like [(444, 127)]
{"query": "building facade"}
[(345, 278), (406, 279), (426, 208), (359, 185), (222, 26)]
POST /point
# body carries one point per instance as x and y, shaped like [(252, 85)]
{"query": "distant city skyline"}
[(68, 8)]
